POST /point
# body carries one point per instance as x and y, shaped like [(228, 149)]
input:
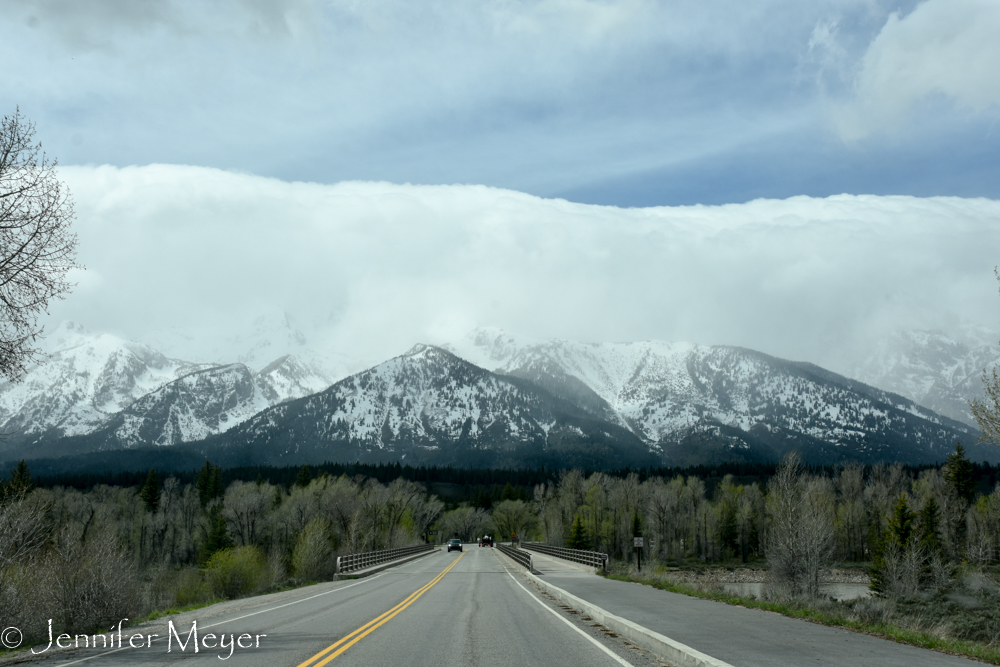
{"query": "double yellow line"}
[(366, 629)]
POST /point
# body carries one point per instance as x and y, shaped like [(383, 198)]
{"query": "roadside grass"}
[(923, 639)]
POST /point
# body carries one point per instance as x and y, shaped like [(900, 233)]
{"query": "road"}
[(470, 608), (740, 636)]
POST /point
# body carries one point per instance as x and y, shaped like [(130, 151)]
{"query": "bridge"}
[(480, 607)]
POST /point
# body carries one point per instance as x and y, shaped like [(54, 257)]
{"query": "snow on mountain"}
[(85, 379), (90, 380), (937, 371), (427, 404), (662, 390), (260, 345), (190, 408)]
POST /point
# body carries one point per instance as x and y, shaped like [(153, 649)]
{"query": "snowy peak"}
[(661, 391), (429, 404), (931, 368), (190, 408), (84, 380)]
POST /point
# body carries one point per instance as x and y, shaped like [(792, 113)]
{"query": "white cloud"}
[(943, 48), (377, 267)]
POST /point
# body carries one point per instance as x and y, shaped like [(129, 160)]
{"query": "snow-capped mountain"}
[(493, 399), (103, 383), (426, 405), (190, 408), (664, 392), (938, 371), (86, 379), (268, 338)]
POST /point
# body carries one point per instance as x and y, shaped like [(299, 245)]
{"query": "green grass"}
[(890, 631)]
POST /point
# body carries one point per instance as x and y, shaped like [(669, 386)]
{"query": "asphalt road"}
[(745, 637), (469, 608)]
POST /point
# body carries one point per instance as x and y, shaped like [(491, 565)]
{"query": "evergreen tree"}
[(20, 480), (897, 535), (208, 482), (577, 534), (958, 474), (217, 538), (215, 489), (509, 493), (928, 522), (304, 477), (150, 493)]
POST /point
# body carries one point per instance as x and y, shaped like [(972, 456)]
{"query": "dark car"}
[(454, 545), (486, 541)]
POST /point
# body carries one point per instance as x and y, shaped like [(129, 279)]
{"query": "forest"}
[(87, 552)]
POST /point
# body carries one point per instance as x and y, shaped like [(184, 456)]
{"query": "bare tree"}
[(802, 539), (36, 247)]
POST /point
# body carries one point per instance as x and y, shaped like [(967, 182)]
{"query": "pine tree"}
[(577, 534), (509, 493), (958, 474), (897, 535), (20, 481), (215, 489), (304, 477), (150, 493), (928, 522), (217, 537), (203, 483), (900, 526)]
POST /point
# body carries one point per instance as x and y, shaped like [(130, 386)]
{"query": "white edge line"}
[(230, 620), (615, 656)]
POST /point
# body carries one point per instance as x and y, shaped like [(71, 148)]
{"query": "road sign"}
[(637, 542)]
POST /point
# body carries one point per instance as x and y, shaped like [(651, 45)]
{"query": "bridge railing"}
[(522, 558), (360, 561), (592, 558)]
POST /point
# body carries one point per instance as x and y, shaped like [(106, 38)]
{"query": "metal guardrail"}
[(360, 561), (593, 558), (521, 557)]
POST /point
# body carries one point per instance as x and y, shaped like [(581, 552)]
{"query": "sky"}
[(793, 177)]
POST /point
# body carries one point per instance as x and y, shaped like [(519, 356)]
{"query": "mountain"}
[(129, 394), (267, 338), (673, 394), (429, 406), (85, 379), (937, 371), (491, 399)]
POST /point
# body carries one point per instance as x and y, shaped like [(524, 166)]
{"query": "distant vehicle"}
[(486, 541), (454, 545)]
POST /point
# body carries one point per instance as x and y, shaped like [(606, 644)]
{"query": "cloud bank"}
[(376, 267)]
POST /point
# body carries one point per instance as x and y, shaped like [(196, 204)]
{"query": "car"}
[(454, 545), (486, 541)]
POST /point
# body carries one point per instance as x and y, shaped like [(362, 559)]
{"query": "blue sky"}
[(631, 103), (236, 157)]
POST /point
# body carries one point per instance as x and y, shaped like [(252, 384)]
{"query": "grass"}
[(891, 631)]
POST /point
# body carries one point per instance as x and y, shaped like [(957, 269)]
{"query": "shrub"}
[(236, 572), (190, 588), (313, 556)]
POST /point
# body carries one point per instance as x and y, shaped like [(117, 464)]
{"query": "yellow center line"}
[(359, 634)]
